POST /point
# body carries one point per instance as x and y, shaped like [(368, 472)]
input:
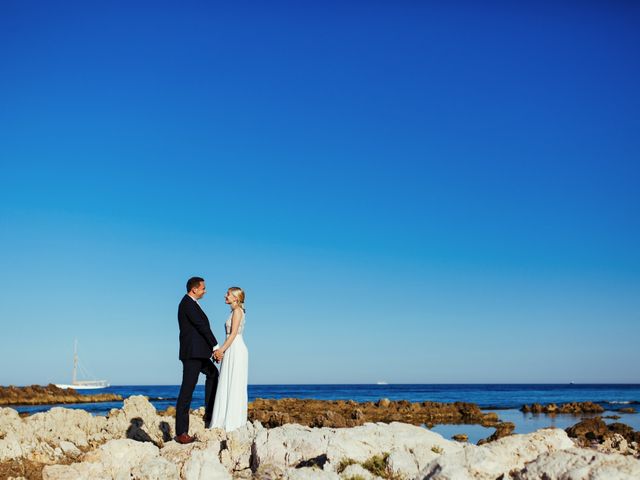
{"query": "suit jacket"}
[(196, 338)]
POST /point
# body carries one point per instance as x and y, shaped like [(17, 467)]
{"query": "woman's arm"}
[(235, 324)]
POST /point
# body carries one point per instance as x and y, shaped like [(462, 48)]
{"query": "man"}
[(197, 344)]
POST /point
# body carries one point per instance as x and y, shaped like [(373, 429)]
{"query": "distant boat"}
[(382, 382), (81, 384)]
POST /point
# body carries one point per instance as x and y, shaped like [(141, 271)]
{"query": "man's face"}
[(199, 291)]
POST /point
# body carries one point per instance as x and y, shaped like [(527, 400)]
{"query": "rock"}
[(574, 408), (50, 394), (294, 446), (139, 421), (288, 446), (627, 410), (496, 459), (581, 407), (593, 431), (169, 412), (156, 469), (69, 449), (461, 437), (356, 471), (489, 419), (616, 443), (204, 465), (336, 414), (119, 457), (77, 471), (310, 474), (401, 462), (580, 464), (503, 429), (588, 430), (237, 457)]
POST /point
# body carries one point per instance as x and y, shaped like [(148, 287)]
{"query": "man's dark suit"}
[(196, 345)]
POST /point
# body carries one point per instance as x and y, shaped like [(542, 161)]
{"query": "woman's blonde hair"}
[(239, 294)]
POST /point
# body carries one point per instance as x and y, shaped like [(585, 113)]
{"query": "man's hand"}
[(217, 355)]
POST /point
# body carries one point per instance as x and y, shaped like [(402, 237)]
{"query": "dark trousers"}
[(191, 369)]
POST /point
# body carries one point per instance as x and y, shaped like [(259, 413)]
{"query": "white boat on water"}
[(81, 384)]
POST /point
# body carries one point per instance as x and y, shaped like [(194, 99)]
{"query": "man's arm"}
[(201, 325)]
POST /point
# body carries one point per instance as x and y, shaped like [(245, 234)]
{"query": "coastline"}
[(50, 395)]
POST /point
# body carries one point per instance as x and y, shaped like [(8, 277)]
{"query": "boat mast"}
[(75, 361)]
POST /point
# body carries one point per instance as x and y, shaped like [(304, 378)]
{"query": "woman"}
[(230, 407)]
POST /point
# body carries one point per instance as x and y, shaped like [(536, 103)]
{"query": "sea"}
[(503, 399)]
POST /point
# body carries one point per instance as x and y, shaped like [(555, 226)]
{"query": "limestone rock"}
[(580, 464), (356, 470), (309, 473), (156, 469), (204, 465), (119, 457), (492, 460), (402, 463), (77, 471)]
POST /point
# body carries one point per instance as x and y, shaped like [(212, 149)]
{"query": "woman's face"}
[(229, 298)]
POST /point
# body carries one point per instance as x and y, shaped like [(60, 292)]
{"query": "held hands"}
[(217, 355)]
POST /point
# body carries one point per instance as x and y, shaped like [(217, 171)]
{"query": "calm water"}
[(505, 400)]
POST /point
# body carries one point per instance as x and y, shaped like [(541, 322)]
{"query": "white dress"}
[(230, 406)]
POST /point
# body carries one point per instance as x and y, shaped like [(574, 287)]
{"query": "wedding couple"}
[(226, 392)]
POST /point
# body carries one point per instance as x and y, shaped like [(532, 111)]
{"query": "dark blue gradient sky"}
[(408, 191)]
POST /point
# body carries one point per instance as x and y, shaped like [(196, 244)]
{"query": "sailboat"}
[(81, 384)]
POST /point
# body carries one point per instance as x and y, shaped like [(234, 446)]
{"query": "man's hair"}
[(193, 282)]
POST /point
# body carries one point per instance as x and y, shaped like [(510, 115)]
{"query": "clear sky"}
[(428, 192)]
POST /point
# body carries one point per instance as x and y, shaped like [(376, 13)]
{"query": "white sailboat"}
[(81, 384)]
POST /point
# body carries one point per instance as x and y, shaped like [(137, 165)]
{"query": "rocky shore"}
[(135, 442), (338, 414), (49, 395), (574, 408)]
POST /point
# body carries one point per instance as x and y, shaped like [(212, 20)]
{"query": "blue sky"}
[(407, 191)]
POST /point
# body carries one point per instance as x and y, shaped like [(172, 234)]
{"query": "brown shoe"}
[(185, 438)]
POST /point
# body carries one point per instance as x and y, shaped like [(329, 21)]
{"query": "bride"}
[(230, 407)]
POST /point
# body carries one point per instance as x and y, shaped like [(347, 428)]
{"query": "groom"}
[(197, 344)]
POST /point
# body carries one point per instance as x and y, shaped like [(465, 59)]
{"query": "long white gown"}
[(230, 406)]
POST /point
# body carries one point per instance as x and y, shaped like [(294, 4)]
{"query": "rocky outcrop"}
[(580, 464), (495, 460), (135, 443), (574, 408), (337, 414), (41, 395), (503, 429), (615, 437)]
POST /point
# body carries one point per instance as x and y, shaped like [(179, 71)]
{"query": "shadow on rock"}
[(137, 433), (165, 428)]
